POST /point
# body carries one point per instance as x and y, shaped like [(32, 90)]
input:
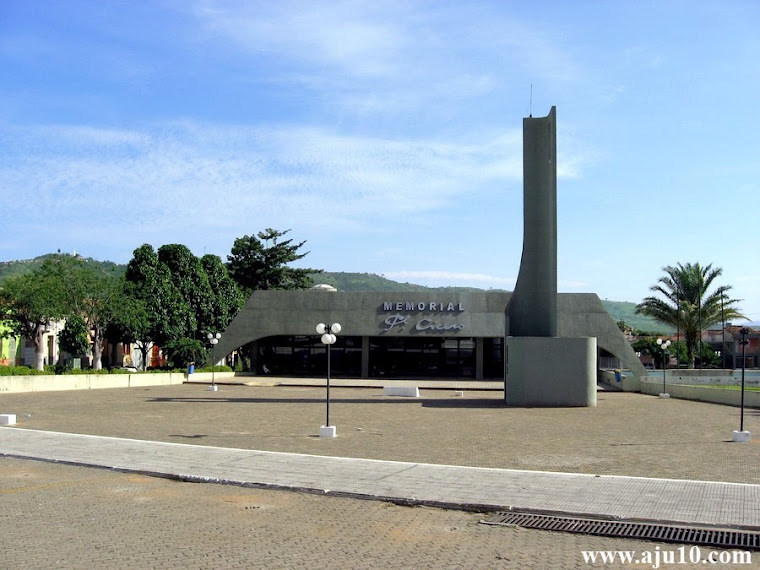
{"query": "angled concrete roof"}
[(465, 314)]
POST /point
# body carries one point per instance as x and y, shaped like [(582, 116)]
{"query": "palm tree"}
[(687, 305)]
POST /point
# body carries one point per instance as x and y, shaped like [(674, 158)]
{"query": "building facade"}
[(400, 335)]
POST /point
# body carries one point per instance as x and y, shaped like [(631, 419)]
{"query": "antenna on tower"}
[(530, 109)]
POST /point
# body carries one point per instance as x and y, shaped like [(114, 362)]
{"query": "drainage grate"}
[(669, 532)]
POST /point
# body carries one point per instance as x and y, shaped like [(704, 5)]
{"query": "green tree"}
[(182, 351), (687, 305), (255, 265), (133, 325), (75, 338), (190, 280), (709, 357), (175, 298), (150, 282), (90, 292), (30, 304), (226, 297), (648, 345)]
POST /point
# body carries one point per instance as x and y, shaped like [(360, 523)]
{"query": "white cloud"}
[(384, 57), (359, 39), (170, 173)]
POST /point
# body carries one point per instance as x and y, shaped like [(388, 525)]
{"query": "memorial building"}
[(400, 335)]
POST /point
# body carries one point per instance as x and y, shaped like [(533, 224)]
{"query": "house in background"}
[(7, 350), (727, 343)]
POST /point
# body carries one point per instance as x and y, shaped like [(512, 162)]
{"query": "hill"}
[(626, 311), (344, 281), (21, 266), (372, 282)]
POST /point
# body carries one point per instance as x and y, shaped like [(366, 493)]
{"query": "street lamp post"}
[(742, 436), (723, 327), (664, 346), (678, 330), (701, 292), (214, 340), (328, 338)]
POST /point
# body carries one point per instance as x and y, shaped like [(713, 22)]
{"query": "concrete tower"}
[(532, 310), (543, 369)]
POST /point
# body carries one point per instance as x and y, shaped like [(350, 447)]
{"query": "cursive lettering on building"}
[(432, 326), (423, 325), (430, 306), (395, 321)]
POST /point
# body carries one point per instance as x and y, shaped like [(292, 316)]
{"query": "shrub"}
[(164, 369), (217, 368), (75, 336), (21, 371), (181, 352)]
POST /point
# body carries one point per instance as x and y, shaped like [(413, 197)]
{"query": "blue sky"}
[(388, 135)]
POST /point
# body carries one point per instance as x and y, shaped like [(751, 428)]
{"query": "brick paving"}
[(626, 434), (60, 516), (74, 517)]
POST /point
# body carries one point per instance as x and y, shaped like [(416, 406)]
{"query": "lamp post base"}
[(664, 395), (741, 436), (327, 431), (213, 388)]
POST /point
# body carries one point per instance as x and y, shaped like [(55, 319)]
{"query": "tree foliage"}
[(133, 324), (169, 297), (30, 304), (63, 288), (149, 282), (261, 262), (189, 280), (75, 338), (89, 292), (226, 298), (687, 305), (176, 299), (182, 351)]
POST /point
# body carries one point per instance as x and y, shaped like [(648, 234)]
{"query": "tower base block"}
[(551, 372)]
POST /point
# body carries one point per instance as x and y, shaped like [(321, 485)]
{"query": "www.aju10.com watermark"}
[(655, 558)]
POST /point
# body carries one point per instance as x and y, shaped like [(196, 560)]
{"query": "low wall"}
[(707, 377), (45, 383), (205, 377), (702, 393), (624, 380), (697, 373)]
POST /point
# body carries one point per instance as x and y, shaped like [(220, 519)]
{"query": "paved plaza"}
[(632, 455)]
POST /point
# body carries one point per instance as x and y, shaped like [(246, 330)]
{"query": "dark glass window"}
[(307, 356), (493, 358), (389, 357), (397, 357)]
